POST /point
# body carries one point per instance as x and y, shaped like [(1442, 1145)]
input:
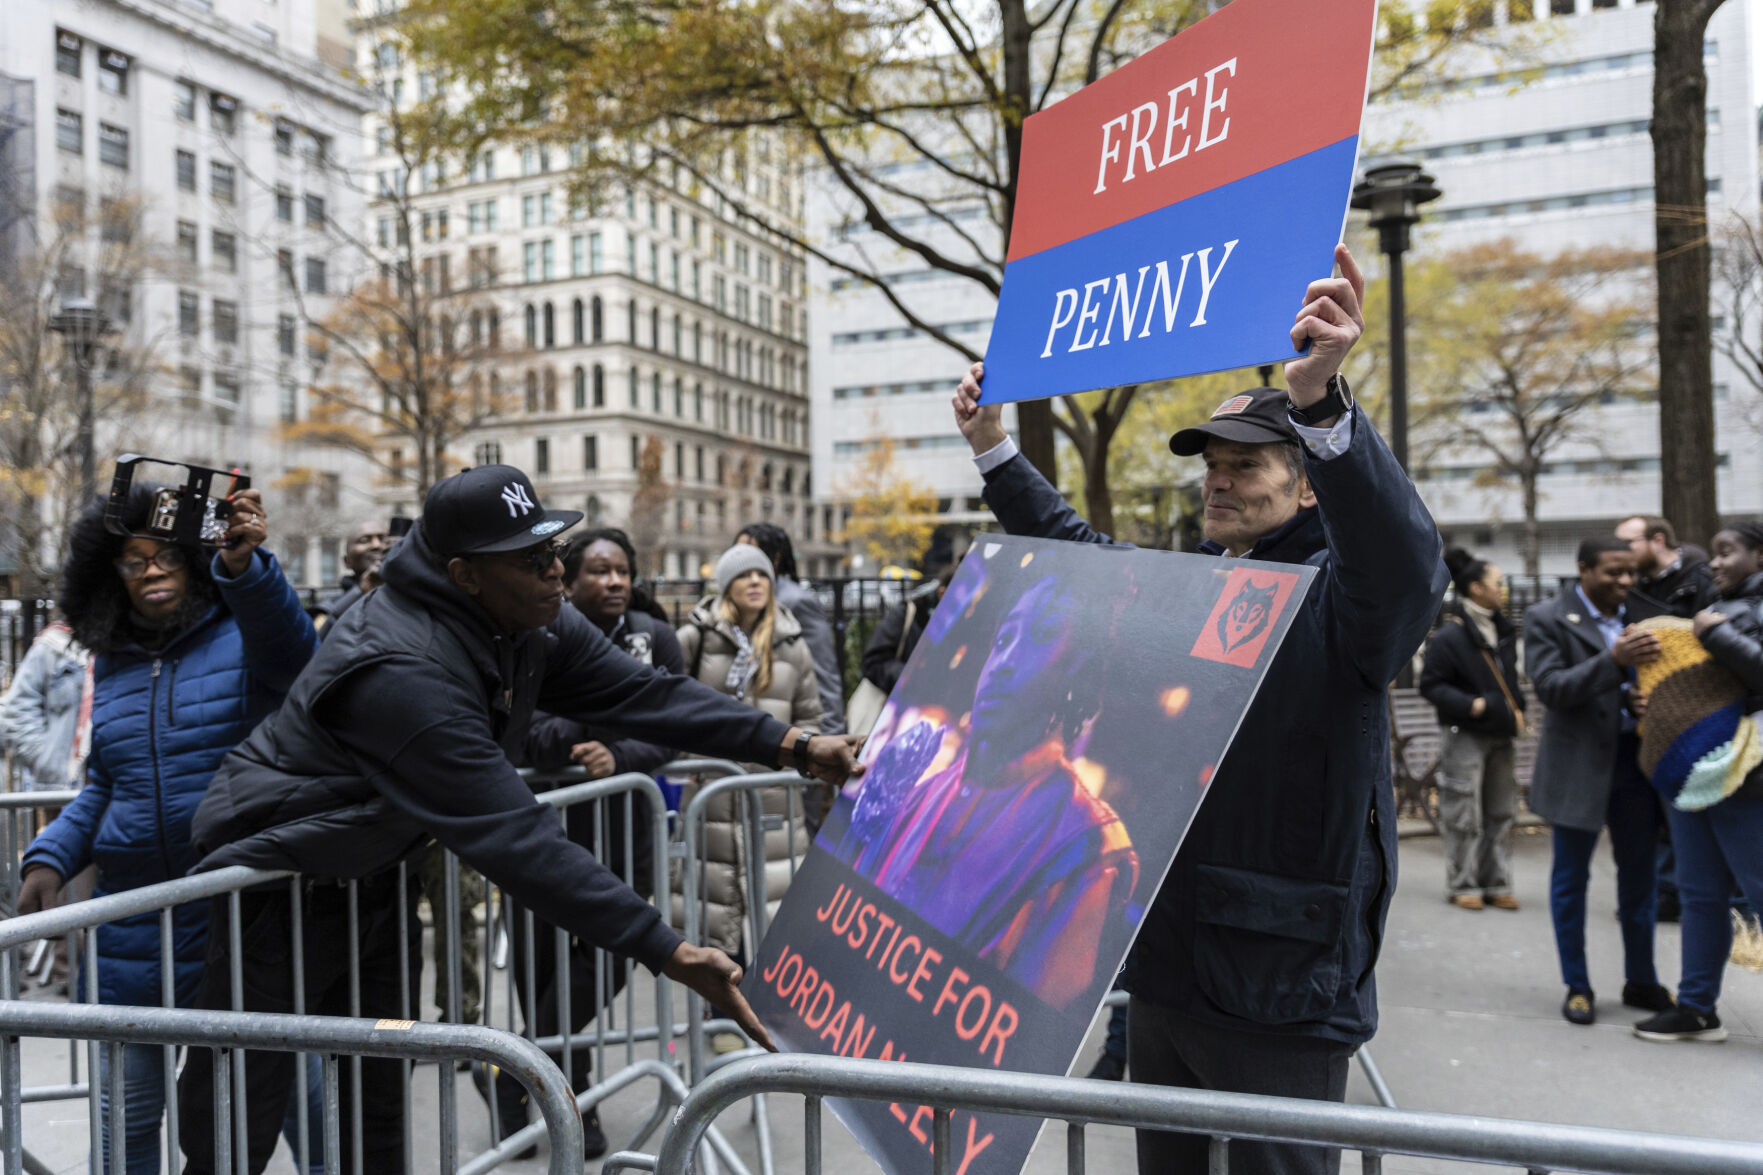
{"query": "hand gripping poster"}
[(970, 899)]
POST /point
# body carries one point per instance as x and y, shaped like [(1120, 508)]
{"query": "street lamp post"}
[(81, 324), (1393, 192)]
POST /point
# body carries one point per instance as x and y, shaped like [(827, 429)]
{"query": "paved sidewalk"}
[(1471, 1024)]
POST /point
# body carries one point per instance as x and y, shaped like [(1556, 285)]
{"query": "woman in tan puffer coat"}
[(743, 643)]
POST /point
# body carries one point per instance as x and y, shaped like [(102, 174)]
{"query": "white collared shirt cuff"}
[(995, 456), (1327, 443)]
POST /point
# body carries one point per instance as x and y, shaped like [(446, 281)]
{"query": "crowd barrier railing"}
[(1373, 1131), (228, 1033), (82, 921)]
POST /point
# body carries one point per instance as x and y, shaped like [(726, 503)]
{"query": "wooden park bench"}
[(1417, 748)]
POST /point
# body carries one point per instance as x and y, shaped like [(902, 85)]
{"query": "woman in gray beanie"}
[(744, 643)]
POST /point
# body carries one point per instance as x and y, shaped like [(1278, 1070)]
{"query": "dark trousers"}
[(1166, 1048), (266, 951), (544, 1014), (1633, 818), (1717, 848)]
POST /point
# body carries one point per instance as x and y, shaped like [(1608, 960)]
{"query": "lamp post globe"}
[(1392, 191), (82, 326)]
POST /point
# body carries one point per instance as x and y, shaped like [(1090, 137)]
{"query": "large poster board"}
[(971, 899), (1170, 215)]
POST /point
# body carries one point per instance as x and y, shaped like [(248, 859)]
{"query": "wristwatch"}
[(799, 753), (1337, 400)]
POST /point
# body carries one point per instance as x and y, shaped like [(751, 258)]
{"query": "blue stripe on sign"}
[(1208, 284)]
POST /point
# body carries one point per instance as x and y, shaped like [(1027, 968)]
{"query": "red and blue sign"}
[(1170, 216)]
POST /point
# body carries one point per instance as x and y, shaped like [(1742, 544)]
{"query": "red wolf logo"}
[(1244, 616)]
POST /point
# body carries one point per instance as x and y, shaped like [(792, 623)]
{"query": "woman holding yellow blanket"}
[(1700, 745)]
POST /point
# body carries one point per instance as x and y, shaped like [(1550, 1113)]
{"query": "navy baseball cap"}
[(488, 509), (1258, 416)]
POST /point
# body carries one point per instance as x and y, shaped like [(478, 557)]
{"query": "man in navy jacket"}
[(1253, 968)]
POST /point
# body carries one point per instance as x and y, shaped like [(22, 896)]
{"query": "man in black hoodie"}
[(400, 731)]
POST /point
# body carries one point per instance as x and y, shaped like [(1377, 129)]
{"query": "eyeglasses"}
[(539, 559), (166, 558)]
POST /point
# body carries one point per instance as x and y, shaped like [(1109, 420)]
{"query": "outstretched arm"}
[(1020, 498)]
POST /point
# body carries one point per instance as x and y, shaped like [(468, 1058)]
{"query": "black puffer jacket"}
[(402, 727), (1738, 645), (1457, 672)]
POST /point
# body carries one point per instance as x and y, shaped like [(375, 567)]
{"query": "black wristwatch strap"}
[(1336, 401), (800, 753)]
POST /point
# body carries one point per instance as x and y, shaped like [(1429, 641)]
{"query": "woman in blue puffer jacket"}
[(194, 647)]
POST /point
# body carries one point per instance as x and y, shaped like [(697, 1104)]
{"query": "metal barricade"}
[(226, 1033), (1373, 1131), (19, 812)]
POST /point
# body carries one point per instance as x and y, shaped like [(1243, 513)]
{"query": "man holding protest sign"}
[(1253, 970)]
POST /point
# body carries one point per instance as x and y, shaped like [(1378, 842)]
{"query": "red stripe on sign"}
[(1258, 83)]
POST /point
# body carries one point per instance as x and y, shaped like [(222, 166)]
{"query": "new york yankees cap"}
[(488, 509), (1257, 416)]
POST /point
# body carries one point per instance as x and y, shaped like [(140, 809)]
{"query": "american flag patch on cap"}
[(1232, 406)]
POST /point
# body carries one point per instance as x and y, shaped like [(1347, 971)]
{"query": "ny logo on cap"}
[(1232, 406), (518, 503)]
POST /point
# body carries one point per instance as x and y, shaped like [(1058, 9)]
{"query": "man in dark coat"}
[(1253, 968), (367, 545), (1670, 580), (1581, 651), (400, 731)]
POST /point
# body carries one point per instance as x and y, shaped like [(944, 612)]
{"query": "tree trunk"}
[(1034, 418), (1098, 496), (1680, 188), (1531, 546)]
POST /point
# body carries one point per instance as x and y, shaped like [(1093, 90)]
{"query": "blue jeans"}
[(1633, 820), (1716, 847), (143, 1106)]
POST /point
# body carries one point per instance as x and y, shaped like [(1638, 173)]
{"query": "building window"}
[(597, 318), (284, 205), (636, 452), (183, 100), (532, 391), (315, 211), (590, 453), (68, 51), (488, 453), (580, 398), (599, 386), (189, 313), (226, 388), (226, 323), (529, 261), (550, 325), (284, 139), (541, 456), (550, 380), (284, 266), (532, 325), (578, 326), (318, 150), (113, 146), (225, 248), (186, 242), (596, 258), (222, 181), (636, 395), (113, 72), (289, 401), (315, 275), (327, 560), (284, 334), (186, 171), (223, 113), (578, 257), (69, 135), (547, 260)]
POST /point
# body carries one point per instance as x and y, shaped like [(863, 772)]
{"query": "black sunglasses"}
[(538, 559)]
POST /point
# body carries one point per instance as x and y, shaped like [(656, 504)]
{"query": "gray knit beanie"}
[(736, 562)]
